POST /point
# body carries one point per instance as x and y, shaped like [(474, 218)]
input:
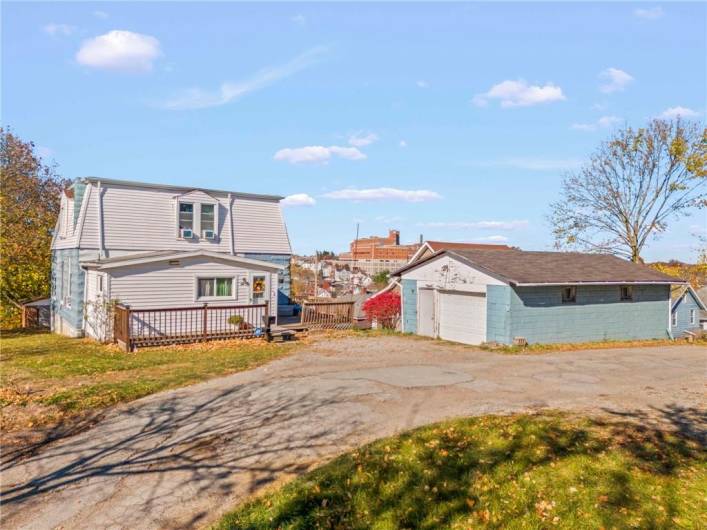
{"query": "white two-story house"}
[(160, 246)]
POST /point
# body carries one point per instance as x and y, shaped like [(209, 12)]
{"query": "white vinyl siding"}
[(143, 219), (158, 285), (259, 227)]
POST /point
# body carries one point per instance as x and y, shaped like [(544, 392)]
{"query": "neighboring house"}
[(702, 294), (685, 308), (477, 296), (430, 247), (162, 246)]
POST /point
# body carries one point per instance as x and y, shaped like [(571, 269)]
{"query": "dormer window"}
[(186, 219), (208, 218)]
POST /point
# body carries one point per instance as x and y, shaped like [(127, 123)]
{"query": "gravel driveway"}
[(179, 459)]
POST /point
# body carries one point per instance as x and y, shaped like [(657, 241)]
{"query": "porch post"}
[(204, 321)]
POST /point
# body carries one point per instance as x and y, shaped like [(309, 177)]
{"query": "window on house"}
[(66, 282), (99, 283), (674, 319), (569, 295), (207, 218), (215, 288), (186, 216), (693, 317), (626, 293)]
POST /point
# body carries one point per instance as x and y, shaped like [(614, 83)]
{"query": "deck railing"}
[(327, 314), (134, 328)]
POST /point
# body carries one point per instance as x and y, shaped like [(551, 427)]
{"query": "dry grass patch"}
[(49, 379)]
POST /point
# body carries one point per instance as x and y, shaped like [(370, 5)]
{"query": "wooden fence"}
[(328, 314), (134, 328)]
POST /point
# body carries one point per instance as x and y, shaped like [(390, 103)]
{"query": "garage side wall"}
[(538, 314), (498, 314), (409, 309)]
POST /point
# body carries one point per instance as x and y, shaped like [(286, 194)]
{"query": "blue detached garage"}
[(478, 296)]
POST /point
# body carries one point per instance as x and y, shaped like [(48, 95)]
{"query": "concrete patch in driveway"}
[(411, 376)]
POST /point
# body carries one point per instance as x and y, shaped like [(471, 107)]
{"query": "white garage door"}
[(462, 317)]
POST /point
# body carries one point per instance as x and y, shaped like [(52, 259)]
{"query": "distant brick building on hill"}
[(376, 247)]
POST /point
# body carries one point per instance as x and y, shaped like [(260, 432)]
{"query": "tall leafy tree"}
[(29, 207), (632, 187)]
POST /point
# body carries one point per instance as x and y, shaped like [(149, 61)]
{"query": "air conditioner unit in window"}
[(187, 233), (209, 234)]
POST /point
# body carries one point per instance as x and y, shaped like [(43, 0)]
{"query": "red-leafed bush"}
[(384, 309)]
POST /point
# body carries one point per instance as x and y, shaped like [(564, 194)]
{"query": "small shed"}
[(36, 313), (477, 296)]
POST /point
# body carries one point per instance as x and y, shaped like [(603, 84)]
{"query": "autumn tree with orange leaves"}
[(29, 207)]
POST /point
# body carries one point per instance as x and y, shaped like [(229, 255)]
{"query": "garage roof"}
[(520, 267)]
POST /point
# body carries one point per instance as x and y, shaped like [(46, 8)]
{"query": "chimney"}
[(421, 239), (394, 236)]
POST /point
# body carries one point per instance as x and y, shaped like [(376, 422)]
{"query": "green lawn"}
[(498, 472), (46, 377)]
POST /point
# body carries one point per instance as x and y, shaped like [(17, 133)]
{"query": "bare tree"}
[(632, 186)]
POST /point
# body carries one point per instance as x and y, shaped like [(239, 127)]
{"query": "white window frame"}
[(193, 217), (693, 317), (234, 288), (201, 228), (66, 278)]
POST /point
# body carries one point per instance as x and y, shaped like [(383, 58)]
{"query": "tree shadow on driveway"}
[(162, 452)]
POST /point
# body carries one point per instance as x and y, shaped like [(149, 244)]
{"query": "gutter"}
[(101, 245), (230, 224)]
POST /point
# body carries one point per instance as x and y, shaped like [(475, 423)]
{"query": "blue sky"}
[(455, 121)]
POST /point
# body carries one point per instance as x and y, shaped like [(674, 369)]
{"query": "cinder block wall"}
[(538, 314)]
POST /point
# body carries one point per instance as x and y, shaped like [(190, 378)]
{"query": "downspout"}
[(101, 246), (230, 224)]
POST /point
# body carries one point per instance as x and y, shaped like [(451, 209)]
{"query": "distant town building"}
[(377, 247)]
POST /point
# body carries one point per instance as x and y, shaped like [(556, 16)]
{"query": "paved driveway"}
[(180, 458)]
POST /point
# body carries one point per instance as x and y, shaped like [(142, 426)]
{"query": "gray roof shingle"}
[(519, 267)]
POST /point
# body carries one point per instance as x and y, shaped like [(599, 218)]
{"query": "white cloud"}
[(403, 143), (197, 98), (533, 164), (478, 225), (299, 19), (492, 239), (651, 13), (614, 80), (683, 112), (383, 194), (313, 154), (58, 29), (100, 14), (120, 50), (298, 199), (519, 94), (422, 83), (604, 122), (361, 140)]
